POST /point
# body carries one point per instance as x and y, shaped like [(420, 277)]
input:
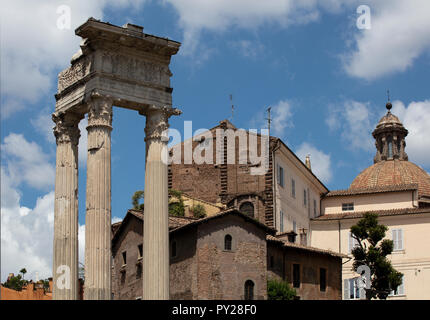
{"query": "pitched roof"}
[(297, 246), (355, 215), (358, 191), (223, 214)]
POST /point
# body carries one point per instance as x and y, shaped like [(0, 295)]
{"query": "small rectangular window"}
[(294, 226), (323, 279), (293, 188), (397, 235), (347, 206), (296, 275), (140, 250), (281, 222), (305, 202), (124, 257), (280, 176), (315, 208), (400, 290)]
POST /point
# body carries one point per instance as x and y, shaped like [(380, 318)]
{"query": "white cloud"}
[(83, 142), (28, 163), (247, 48), (353, 118), (221, 15), (416, 118), (33, 48), (320, 161), (399, 34)]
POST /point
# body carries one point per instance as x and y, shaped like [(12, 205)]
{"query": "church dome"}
[(392, 173), (391, 167)]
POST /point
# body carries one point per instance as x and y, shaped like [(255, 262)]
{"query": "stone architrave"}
[(65, 257), (122, 67)]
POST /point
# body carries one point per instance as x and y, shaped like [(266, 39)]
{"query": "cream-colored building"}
[(399, 192)]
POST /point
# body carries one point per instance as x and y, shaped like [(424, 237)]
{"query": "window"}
[(281, 222), (293, 188), (400, 290), (296, 275), (249, 290), (138, 271), (227, 242), (323, 279), (390, 147), (247, 208), (124, 257), (271, 262), (280, 176), (140, 250), (304, 198), (347, 206), (397, 235), (173, 253), (352, 242), (294, 226), (315, 208), (351, 289)]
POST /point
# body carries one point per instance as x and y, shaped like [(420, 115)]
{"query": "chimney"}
[(308, 162)]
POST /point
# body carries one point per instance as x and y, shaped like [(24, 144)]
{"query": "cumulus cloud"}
[(26, 162), (218, 16), (320, 161), (399, 34), (33, 47), (416, 118), (354, 120)]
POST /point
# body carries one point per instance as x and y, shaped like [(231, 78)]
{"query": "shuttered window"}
[(352, 242), (280, 176), (397, 235)]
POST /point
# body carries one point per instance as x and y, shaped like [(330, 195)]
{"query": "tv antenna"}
[(269, 119), (232, 107)]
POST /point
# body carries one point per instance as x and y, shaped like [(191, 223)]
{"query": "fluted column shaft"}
[(156, 216), (98, 202), (65, 256)]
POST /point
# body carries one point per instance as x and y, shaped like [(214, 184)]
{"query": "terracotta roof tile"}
[(355, 215)]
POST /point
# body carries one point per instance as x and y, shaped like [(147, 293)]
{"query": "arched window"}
[(247, 208), (227, 242), (390, 147), (249, 290)]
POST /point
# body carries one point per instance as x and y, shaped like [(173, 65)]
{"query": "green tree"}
[(198, 211), (280, 290), (176, 208), (135, 200), (372, 251), (23, 271), (15, 283)]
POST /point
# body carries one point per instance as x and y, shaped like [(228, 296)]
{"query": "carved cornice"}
[(99, 111), (66, 128), (157, 122)]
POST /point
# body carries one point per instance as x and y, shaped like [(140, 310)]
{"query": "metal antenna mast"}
[(269, 119), (232, 107)]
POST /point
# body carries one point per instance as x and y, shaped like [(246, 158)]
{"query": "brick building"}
[(285, 198), (228, 255)]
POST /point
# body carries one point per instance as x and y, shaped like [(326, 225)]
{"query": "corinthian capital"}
[(157, 122), (100, 111), (66, 128)]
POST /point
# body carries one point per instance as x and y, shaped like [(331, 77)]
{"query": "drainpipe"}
[(340, 247)]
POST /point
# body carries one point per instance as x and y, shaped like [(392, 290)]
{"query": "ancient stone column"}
[(65, 257), (98, 202), (156, 216)]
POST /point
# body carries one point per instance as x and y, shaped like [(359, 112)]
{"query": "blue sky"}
[(325, 79)]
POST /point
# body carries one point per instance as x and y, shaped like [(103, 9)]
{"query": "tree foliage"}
[(280, 290), (369, 233), (176, 208), (198, 211), (16, 282), (135, 200)]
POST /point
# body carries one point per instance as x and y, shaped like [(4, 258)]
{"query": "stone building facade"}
[(285, 198), (223, 256)]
